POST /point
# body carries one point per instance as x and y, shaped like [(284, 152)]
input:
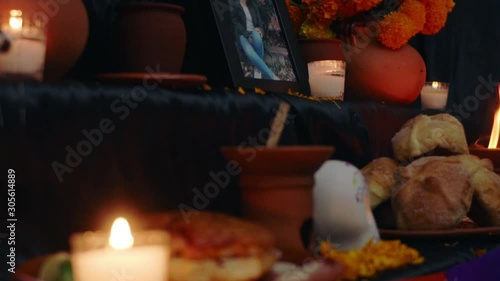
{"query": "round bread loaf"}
[(435, 193), (485, 208), (424, 134), (379, 176)]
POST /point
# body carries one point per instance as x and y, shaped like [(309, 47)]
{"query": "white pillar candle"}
[(327, 78), (434, 95), (141, 256), (25, 57)]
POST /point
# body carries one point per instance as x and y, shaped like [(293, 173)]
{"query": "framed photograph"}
[(260, 45)]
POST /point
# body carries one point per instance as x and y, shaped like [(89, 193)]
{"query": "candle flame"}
[(121, 236), (495, 131), (435, 85), (16, 19)]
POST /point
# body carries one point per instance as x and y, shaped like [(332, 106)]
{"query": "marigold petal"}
[(372, 258), (396, 29), (415, 10)]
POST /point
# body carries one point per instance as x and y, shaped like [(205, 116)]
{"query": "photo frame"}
[(262, 52)]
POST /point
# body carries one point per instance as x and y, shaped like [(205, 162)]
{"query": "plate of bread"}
[(432, 186)]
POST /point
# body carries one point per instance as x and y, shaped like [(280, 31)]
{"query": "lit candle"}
[(121, 255), (25, 58), (434, 95), (327, 78)]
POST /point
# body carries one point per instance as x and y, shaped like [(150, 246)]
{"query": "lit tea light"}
[(25, 56), (434, 95), (327, 78), (488, 146), (142, 256)]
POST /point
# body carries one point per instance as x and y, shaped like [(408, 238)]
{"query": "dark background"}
[(160, 148)]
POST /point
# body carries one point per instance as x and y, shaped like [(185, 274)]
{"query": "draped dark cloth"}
[(154, 155)]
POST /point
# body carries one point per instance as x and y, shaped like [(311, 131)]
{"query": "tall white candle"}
[(434, 95), (126, 257)]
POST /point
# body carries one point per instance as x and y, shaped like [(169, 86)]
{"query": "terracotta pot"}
[(377, 73), (150, 34), (321, 49), (277, 190), (67, 31), (481, 150)]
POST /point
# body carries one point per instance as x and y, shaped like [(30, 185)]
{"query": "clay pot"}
[(377, 73), (67, 31), (277, 187), (150, 34), (321, 49), (480, 149)]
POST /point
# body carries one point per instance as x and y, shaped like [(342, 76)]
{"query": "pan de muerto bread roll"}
[(423, 134), (379, 176), (434, 193), (485, 208)]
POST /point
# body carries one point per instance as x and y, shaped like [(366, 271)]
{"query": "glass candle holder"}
[(327, 78), (434, 95), (95, 256), (22, 46)]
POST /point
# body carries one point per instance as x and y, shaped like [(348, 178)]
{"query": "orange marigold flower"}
[(366, 5), (436, 14), (321, 12), (296, 16), (415, 10), (372, 258), (260, 91), (396, 29), (450, 5), (311, 30)]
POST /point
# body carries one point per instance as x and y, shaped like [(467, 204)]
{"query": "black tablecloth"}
[(117, 149), (159, 150)]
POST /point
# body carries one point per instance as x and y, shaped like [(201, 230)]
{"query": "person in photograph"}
[(268, 15), (249, 32)]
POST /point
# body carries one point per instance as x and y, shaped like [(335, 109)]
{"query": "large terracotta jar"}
[(67, 31), (150, 35), (377, 73), (277, 185)]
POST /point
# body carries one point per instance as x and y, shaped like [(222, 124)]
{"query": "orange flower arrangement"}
[(316, 18), (372, 259)]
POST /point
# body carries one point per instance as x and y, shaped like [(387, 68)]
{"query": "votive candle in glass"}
[(434, 95), (327, 78)]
